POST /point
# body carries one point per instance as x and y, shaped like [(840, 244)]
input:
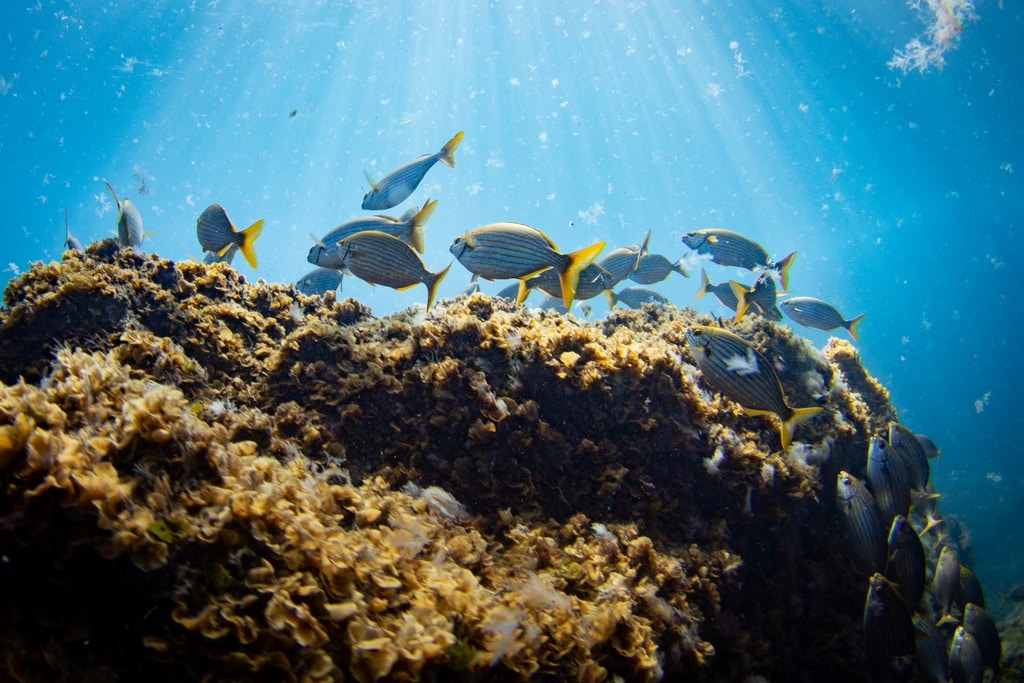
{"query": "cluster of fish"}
[(381, 249), (925, 610), (728, 248)]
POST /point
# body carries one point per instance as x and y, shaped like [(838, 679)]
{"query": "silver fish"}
[(636, 297), (980, 624), (227, 257), (930, 652), (888, 485), (968, 589), (593, 280), (863, 532), (905, 562), (728, 248), (945, 582), (512, 250), (910, 454), (395, 187), (407, 228), (383, 259), (71, 242), (621, 262), (653, 268), (759, 297), (217, 233), (722, 291), (811, 312), (736, 369), (888, 632), (966, 663), (319, 281), (129, 222)]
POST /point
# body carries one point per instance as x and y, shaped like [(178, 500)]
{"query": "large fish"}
[(728, 248), (621, 262), (905, 563), (910, 454), (383, 259), (409, 228), (512, 250), (968, 589), (395, 187), (811, 312), (966, 662), (930, 652), (736, 369), (888, 484), (593, 280), (863, 531), (217, 233), (888, 632), (129, 222)]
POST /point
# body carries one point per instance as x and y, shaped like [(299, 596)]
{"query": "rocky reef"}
[(207, 478)]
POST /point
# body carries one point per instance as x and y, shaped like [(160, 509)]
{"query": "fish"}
[(395, 187), (621, 262), (968, 588), (811, 312), (636, 297), (319, 281), (71, 242), (945, 582), (736, 369), (512, 250), (760, 297), (653, 268), (728, 248), (910, 454), (1016, 594), (383, 259), (925, 508), (864, 533), (129, 221), (980, 624), (723, 291), (888, 632), (510, 292), (227, 257), (217, 233), (965, 658), (905, 562), (930, 652), (593, 280), (888, 484), (408, 228)]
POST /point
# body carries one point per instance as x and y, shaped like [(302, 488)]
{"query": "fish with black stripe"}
[(383, 259), (905, 561), (319, 281), (654, 268), (728, 248), (864, 533), (408, 228), (966, 662), (811, 312), (217, 233)]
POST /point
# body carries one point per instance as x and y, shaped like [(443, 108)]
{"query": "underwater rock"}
[(209, 478)]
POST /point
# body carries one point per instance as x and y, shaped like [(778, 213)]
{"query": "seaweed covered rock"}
[(204, 477)]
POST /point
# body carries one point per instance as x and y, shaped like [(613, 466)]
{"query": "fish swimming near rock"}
[(980, 624), (736, 369), (636, 297), (383, 259), (966, 662), (217, 233), (905, 561), (811, 312), (945, 582), (759, 297), (593, 280), (728, 248), (408, 228), (722, 291), (71, 242), (654, 268), (911, 456), (887, 482), (888, 632), (932, 660), (864, 534), (319, 281), (129, 221), (513, 250), (227, 257), (395, 187), (622, 261)]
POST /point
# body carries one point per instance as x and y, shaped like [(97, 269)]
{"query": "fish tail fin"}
[(931, 523), (433, 281), (522, 292), (247, 247), (947, 620), (613, 298), (784, 266), (705, 281), (740, 292), (799, 415), (418, 221), (680, 267), (447, 154), (851, 326), (570, 276)]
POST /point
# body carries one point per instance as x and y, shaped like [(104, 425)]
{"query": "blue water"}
[(901, 192)]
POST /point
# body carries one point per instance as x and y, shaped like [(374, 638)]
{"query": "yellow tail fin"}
[(433, 282), (418, 221), (784, 266), (704, 283), (448, 151), (798, 416), (247, 247), (570, 277), (740, 293)]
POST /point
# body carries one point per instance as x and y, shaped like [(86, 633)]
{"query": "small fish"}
[(383, 259), (408, 228), (965, 658), (945, 582), (319, 281), (760, 297), (811, 312), (653, 268), (513, 250), (621, 262), (930, 652), (593, 280), (728, 248), (129, 222), (980, 624), (905, 562), (736, 369), (888, 632), (1016, 594), (227, 257), (910, 454), (71, 242), (395, 187), (553, 303), (888, 485), (723, 291), (968, 589), (470, 289), (636, 297), (217, 233), (509, 292), (863, 531)]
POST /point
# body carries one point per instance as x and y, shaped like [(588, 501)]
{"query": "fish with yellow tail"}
[(217, 233), (383, 259), (408, 228), (811, 312), (736, 369), (500, 251), (728, 248), (395, 187), (129, 221)]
